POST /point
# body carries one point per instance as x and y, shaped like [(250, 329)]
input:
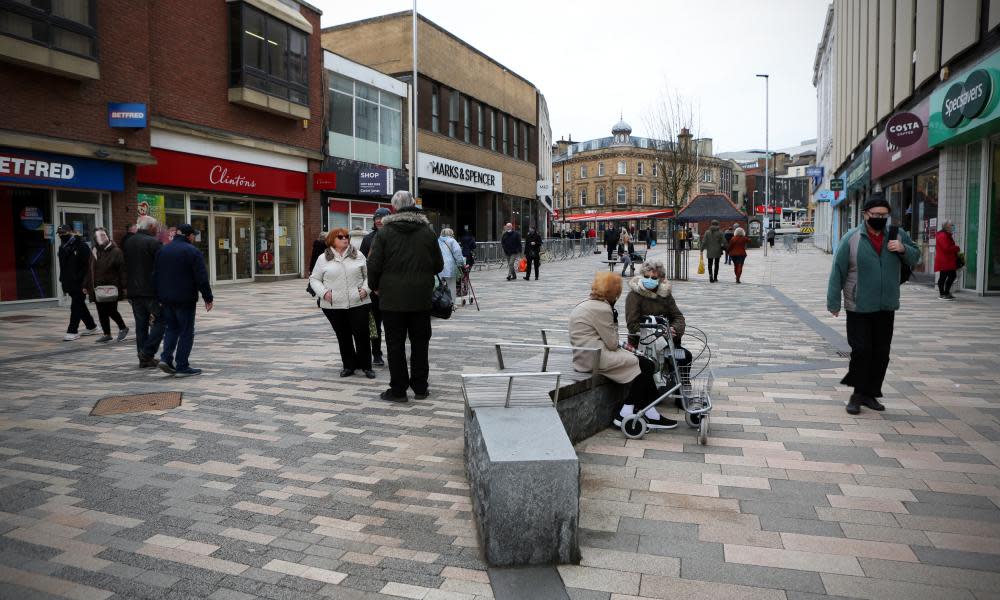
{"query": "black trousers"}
[(532, 260), (870, 337), (642, 390), (399, 326), (78, 311), (148, 324), (713, 269), (351, 327), (945, 279), (611, 249), (377, 315), (106, 312)]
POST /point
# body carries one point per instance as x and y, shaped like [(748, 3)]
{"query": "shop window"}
[(231, 206), (263, 224), (973, 164), (200, 202), (26, 250), (288, 237), (366, 123), (926, 200), (66, 26), (268, 55)]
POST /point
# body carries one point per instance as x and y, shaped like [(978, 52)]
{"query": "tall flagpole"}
[(415, 188)]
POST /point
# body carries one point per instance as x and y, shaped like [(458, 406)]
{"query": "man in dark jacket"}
[(611, 237), (376, 308), (730, 232), (74, 264), (533, 252), (403, 261), (468, 244), (179, 274), (510, 241), (140, 250)]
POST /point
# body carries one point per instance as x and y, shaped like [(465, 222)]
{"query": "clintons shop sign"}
[(192, 171)]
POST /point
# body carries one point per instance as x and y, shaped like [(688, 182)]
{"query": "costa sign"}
[(192, 171), (903, 129), (967, 99)]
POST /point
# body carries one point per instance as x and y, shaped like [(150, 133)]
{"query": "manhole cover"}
[(18, 318), (116, 405)]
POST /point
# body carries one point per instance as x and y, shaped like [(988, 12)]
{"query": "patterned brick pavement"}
[(278, 479)]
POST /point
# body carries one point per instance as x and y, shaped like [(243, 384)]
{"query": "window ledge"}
[(272, 104), (38, 57)]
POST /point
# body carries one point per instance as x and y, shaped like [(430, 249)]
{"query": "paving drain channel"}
[(116, 405)]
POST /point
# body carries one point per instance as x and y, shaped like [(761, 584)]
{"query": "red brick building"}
[(221, 126)]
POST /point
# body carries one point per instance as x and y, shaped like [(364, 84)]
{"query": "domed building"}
[(625, 178)]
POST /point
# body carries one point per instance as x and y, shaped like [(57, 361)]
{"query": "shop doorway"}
[(992, 263), (83, 220), (233, 249)]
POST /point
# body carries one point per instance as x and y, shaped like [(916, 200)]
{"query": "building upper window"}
[(503, 130), (736, 179), (453, 114), (583, 197), (583, 171), (515, 127), (435, 108), (706, 175), (557, 177), (601, 196), (466, 121), (480, 124), (600, 169), (655, 170), (66, 26), (656, 194), (638, 168), (640, 194), (267, 54), (493, 130), (622, 195), (524, 145), (621, 167), (366, 124)]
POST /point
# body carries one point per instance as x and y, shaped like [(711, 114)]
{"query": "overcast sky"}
[(593, 59)]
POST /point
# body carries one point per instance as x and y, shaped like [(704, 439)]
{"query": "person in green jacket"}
[(713, 243), (866, 273), (402, 266)]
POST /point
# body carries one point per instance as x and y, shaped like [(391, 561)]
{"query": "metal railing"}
[(490, 255)]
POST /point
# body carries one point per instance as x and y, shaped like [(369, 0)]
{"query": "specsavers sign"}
[(451, 171), (965, 107)]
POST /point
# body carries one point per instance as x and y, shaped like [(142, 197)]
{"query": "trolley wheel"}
[(703, 431), (635, 427), (693, 421)]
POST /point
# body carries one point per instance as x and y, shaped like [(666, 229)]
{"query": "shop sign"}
[(375, 182), (824, 196), (961, 109), (859, 173), (814, 172), (903, 140), (192, 171), (837, 185), (770, 209), (42, 168), (126, 114), (543, 188), (151, 205), (325, 181), (903, 129), (459, 173), (31, 218)]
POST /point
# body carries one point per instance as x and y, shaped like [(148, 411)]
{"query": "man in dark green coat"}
[(713, 243), (402, 265)]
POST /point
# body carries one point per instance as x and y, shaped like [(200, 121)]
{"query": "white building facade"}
[(824, 69)]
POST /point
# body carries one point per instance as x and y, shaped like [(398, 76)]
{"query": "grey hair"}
[(145, 223), (402, 199), (322, 236), (739, 232), (654, 266), (947, 222), (447, 232)]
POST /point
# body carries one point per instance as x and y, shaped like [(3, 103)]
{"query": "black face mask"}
[(877, 223), (63, 238)]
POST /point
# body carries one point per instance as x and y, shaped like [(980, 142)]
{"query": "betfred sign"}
[(192, 171), (42, 168)]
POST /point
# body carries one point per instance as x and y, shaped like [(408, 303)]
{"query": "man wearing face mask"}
[(866, 274), (74, 264), (510, 241)]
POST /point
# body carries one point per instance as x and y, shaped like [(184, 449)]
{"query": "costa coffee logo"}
[(902, 130), (219, 175), (967, 99)]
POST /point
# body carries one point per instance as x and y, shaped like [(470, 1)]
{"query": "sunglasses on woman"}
[(341, 237)]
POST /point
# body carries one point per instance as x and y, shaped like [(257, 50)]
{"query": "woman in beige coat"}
[(594, 324)]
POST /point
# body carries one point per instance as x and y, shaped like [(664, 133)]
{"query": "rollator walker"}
[(680, 375)]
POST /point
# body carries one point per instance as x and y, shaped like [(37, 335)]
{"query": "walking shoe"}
[(122, 334), (166, 367), (147, 362), (854, 405), (104, 339), (388, 395), (69, 337), (91, 331), (942, 297), (346, 372), (421, 395), (377, 361), (661, 423), (872, 403), (526, 279), (949, 297), (188, 372), (369, 374)]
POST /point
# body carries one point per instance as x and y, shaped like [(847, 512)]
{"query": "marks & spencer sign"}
[(964, 108), (459, 173), (192, 171), (42, 168)]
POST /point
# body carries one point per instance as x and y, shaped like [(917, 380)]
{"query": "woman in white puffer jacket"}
[(340, 280)]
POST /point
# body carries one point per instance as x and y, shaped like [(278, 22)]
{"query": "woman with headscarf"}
[(107, 271)]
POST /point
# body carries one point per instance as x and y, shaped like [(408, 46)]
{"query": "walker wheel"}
[(703, 431), (693, 421), (635, 427)]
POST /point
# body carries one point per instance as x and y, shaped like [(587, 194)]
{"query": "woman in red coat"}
[(738, 251), (946, 260)]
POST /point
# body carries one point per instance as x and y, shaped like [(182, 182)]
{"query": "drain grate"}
[(116, 405), (18, 318), (843, 354)]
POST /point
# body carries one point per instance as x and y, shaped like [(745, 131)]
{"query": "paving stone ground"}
[(278, 479)]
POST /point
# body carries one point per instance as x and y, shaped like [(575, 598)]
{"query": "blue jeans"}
[(179, 333)]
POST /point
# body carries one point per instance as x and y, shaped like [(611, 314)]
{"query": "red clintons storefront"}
[(248, 216)]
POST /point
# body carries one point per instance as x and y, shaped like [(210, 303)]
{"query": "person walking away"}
[(128, 233), (946, 259), (374, 306), (74, 262), (451, 254), (140, 258), (770, 237), (738, 251), (401, 267), (712, 244), (468, 244), (729, 236), (107, 269), (511, 243), (340, 280), (611, 238), (533, 252), (180, 274), (865, 272)]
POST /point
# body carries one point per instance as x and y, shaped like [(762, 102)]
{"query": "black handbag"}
[(442, 303)]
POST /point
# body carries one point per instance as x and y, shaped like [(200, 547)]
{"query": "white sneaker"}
[(69, 337), (89, 331)]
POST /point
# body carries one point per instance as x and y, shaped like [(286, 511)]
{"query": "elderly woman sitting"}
[(594, 324)]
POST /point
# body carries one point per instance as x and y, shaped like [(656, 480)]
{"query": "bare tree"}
[(672, 123)]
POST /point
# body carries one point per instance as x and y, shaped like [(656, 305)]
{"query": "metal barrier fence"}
[(490, 255)]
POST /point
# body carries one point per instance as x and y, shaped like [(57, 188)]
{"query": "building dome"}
[(621, 128)]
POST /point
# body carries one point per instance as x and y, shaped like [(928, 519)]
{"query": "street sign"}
[(837, 185)]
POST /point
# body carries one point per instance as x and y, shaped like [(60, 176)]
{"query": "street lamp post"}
[(767, 155), (415, 188)]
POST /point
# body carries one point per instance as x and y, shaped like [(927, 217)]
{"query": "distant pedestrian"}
[(318, 248), (511, 243), (340, 279), (946, 259), (533, 252), (451, 254), (106, 284), (376, 308), (626, 248), (728, 235), (738, 251), (712, 244), (468, 244), (866, 271), (611, 238), (180, 275), (74, 263), (689, 236), (140, 259), (401, 267), (770, 237)]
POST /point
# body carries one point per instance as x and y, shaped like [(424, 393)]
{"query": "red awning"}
[(621, 215)]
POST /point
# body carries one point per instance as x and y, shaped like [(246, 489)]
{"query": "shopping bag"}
[(522, 266), (441, 301), (701, 264)]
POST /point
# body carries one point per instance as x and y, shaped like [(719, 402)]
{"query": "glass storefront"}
[(973, 166), (992, 256), (925, 213)]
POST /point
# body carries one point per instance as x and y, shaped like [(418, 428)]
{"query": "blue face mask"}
[(649, 284)]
